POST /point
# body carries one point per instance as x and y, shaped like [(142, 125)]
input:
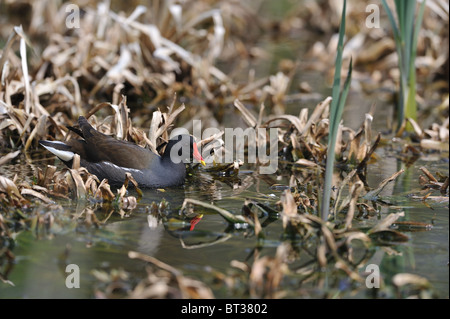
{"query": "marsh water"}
[(41, 256)]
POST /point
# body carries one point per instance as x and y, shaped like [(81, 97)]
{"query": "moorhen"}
[(107, 157)]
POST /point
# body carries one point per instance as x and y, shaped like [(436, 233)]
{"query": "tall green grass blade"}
[(405, 34), (331, 155), (392, 22), (337, 108), (417, 28), (398, 44), (411, 106), (337, 70), (410, 9), (344, 93)]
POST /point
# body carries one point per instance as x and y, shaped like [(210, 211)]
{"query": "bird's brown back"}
[(98, 147)]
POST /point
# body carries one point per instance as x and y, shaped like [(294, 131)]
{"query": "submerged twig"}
[(231, 218)]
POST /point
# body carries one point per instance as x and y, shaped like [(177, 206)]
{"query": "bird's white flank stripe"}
[(63, 155)]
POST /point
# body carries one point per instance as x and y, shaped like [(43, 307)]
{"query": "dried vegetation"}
[(140, 59)]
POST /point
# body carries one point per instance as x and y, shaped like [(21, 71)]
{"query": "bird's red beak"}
[(195, 221), (197, 155)]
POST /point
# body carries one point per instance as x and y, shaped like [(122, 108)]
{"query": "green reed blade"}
[(337, 108), (406, 31), (337, 71), (332, 135), (411, 105)]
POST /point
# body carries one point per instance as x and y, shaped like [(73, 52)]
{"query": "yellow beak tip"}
[(203, 162)]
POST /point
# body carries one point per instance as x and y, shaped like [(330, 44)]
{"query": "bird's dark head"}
[(183, 148)]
